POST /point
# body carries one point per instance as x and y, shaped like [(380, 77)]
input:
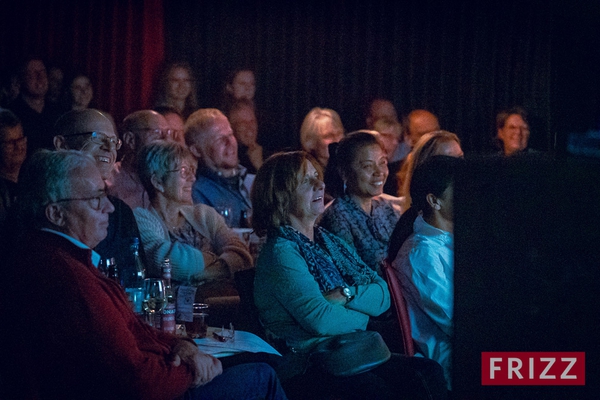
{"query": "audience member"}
[(37, 116), (13, 149), (92, 131), (9, 86), (221, 182), (380, 108), (418, 123), (362, 217), (240, 84), (512, 131), (311, 285), (88, 343), (175, 121), (431, 144), (139, 128), (425, 263), (55, 85), (396, 148), (203, 251), (320, 127), (79, 93), (245, 129), (177, 88)]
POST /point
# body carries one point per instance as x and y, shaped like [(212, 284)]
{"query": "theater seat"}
[(400, 305)]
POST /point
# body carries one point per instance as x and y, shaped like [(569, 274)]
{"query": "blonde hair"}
[(311, 126), (427, 146)]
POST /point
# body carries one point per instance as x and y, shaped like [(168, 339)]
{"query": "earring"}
[(437, 207)]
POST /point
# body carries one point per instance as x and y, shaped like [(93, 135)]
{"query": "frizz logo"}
[(533, 368)]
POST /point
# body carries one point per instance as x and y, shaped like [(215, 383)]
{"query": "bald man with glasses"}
[(92, 132), (139, 128)]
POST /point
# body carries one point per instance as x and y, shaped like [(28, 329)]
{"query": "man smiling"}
[(92, 132)]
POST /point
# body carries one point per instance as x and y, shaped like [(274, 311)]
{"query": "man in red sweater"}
[(68, 332)]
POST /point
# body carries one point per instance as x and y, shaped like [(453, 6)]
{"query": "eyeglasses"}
[(161, 133), (14, 142), (100, 138), (94, 201), (185, 172)]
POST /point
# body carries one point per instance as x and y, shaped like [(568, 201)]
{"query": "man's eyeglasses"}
[(100, 138), (94, 201), (185, 172), (14, 142), (161, 133)]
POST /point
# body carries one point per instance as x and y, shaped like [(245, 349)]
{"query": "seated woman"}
[(311, 285), (203, 251), (362, 217), (425, 263), (176, 88)]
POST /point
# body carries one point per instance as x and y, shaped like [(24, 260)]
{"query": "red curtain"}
[(119, 44)]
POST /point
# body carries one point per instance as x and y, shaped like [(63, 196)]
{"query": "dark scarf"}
[(330, 262)]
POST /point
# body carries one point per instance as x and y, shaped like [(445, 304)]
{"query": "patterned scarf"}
[(330, 261)]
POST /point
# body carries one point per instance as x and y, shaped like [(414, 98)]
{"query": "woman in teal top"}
[(310, 284)]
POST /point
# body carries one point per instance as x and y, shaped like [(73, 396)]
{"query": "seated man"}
[(221, 182), (81, 340), (92, 132), (139, 129), (512, 131), (13, 148)]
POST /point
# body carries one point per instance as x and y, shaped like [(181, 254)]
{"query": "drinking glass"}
[(154, 298), (225, 213)]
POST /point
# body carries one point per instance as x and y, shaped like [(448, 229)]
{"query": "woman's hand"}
[(336, 297)]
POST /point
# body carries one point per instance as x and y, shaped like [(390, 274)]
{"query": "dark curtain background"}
[(117, 43), (463, 60)]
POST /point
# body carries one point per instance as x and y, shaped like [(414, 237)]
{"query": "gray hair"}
[(157, 159), (46, 178), (199, 124)]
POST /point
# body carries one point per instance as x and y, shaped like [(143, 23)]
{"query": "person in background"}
[(321, 127), (13, 149), (380, 108), (177, 88), (55, 85), (36, 115), (396, 148), (203, 251), (10, 86), (311, 285), (92, 132), (175, 121), (512, 131), (221, 182), (430, 144), (93, 346), (362, 217), (139, 128), (417, 123), (245, 129), (240, 84), (79, 93), (424, 264)]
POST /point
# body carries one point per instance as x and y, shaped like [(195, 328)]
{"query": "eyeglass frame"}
[(163, 133), (14, 142), (97, 207), (184, 175), (94, 138)]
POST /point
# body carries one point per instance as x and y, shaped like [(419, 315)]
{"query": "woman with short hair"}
[(194, 237)]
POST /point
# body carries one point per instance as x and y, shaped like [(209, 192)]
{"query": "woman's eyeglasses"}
[(185, 172)]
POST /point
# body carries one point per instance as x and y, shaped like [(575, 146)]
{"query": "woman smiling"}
[(363, 217)]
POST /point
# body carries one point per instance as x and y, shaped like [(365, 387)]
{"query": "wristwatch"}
[(347, 294)]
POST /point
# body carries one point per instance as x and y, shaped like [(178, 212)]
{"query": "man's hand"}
[(204, 367)]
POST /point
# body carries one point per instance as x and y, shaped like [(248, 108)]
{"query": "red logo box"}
[(533, 368)]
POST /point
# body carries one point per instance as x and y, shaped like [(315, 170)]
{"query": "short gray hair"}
[(200, 123), (45, 178), (157, 159)]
